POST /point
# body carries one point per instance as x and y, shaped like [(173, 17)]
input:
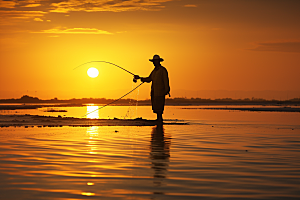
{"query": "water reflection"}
[(92, 111), (92, 133), (159, 155), (92, 149)]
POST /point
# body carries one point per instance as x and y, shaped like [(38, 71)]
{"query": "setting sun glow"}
[(93, 72), (225, 52)]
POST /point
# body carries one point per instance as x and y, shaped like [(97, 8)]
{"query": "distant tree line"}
[(169, 101)]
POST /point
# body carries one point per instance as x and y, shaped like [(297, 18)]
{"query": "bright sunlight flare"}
[(93, 72)]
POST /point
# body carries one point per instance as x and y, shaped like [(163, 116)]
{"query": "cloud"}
[(290, 47), (7, 4), (17, 3), (59, 30), (24, 9), (190, 6), (38, 20), (32, 5), (65, 6), (6, 15), (16, 11)]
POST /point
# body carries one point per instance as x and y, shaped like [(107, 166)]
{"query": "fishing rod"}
[(134, 80), (107, 63)]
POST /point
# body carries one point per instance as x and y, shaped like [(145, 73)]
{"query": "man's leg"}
[(158, 103), (159, 118)]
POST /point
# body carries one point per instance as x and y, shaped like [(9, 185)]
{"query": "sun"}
[(93, 72)]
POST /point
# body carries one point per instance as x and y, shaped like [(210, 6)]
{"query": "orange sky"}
[(207, 46)]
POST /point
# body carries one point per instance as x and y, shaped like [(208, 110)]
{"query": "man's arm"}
[(144, 79), (166, 82)]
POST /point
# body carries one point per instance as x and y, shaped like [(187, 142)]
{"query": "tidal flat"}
[(221, 154)]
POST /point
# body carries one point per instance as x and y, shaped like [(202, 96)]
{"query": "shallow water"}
[(220, 155)]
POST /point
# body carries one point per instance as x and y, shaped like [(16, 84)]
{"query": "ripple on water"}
[(183, 162)]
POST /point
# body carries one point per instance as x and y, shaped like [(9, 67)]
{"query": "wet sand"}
[(50, 121)]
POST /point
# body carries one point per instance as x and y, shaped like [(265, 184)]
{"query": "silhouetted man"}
[(159, 88)]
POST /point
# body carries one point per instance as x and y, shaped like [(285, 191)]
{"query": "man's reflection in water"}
[(159, 154)]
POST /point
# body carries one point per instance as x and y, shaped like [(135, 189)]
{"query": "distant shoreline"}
[(35, 102), (265, 108)]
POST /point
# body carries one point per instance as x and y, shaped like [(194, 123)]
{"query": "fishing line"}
[(121, 96), (114, 100)]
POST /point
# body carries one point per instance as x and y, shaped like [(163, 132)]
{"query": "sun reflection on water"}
[(92, 133), (92, 111)]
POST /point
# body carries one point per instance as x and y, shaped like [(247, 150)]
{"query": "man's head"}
[(156, 60)]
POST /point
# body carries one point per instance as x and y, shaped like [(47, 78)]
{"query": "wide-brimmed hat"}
[(156, 57)]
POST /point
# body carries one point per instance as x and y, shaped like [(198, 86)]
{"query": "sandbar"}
[(50, 121)]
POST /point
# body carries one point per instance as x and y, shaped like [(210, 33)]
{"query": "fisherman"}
[(159, 88)]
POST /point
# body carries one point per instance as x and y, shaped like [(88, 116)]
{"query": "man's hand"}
[(137, 77)]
